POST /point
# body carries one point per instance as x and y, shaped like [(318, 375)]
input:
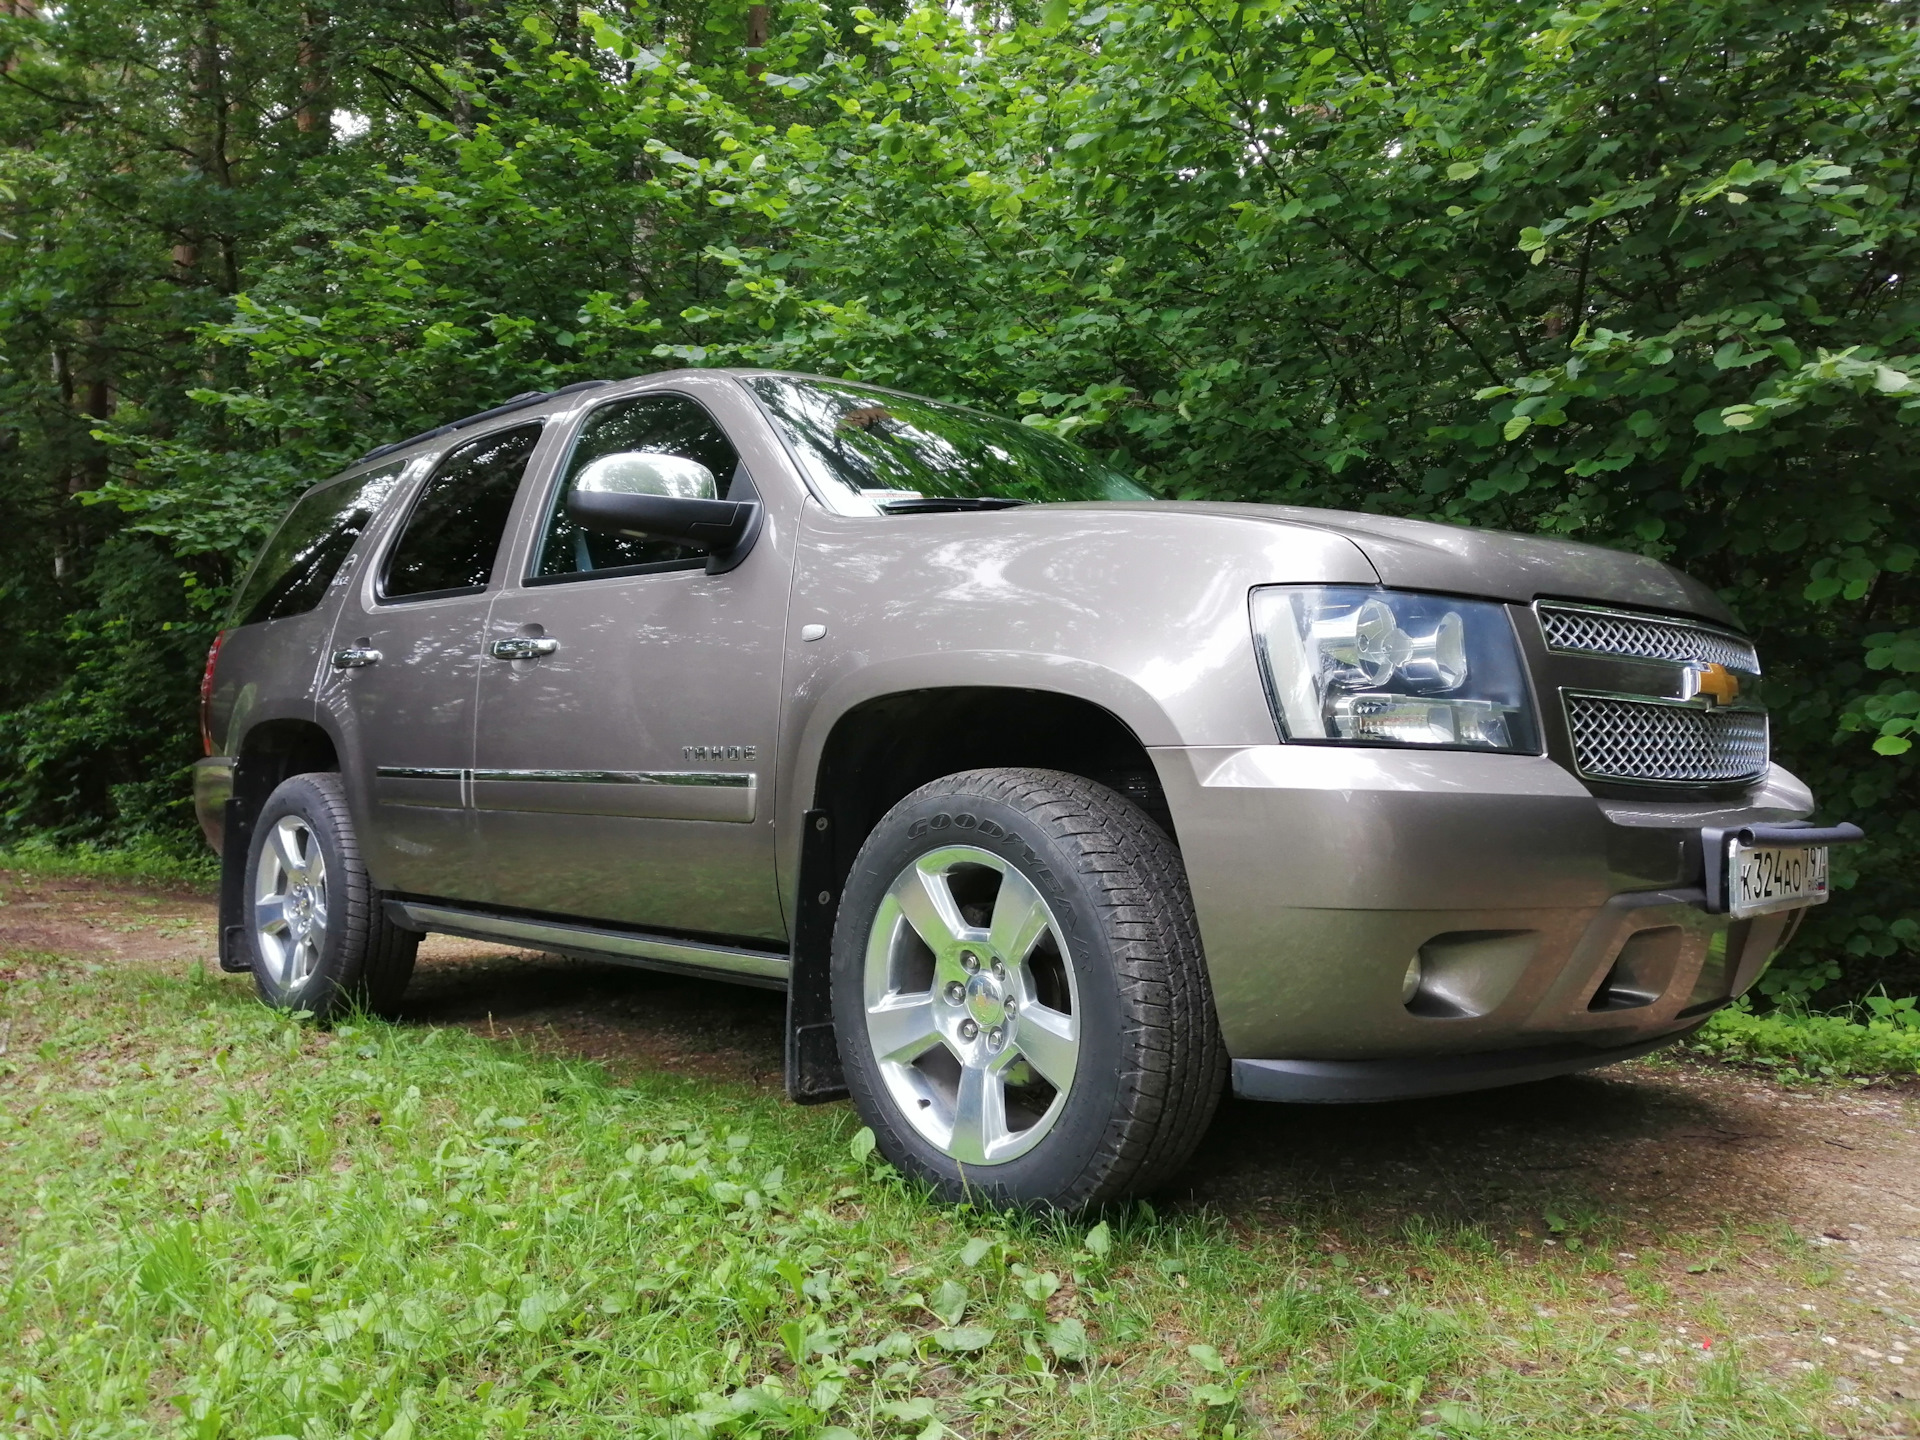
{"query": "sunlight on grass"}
[(226, 1224)]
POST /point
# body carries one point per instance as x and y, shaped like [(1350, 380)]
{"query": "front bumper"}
[(1548, 921)]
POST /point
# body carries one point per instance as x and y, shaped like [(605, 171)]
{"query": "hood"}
[(1500, 565)]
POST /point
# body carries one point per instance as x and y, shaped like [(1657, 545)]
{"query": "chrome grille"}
[(1641, 637), (1651, 740)]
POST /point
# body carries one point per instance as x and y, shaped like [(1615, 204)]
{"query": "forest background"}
[(1635, 274)]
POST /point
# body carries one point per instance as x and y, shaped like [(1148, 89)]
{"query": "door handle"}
[(523, 647), (354, 656)]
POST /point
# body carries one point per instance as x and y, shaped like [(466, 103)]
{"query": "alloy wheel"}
[(290, 902), (971, 1004)]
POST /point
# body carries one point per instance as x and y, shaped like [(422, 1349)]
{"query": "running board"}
[(685, 957)]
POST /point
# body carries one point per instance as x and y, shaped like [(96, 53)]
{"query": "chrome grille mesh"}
[(1600, 632), (1616, 739)]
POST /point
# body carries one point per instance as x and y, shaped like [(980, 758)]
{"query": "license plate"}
[(1775, 877)]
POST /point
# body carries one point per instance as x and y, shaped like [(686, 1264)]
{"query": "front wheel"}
[(1019, 995), (321, 939)]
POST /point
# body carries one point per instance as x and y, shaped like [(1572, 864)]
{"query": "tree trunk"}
[(757, 28), (314, 118)]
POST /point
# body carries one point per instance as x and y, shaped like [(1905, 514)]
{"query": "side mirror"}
[(663, 497)]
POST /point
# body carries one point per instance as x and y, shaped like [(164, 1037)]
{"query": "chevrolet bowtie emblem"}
[(1716, 682)]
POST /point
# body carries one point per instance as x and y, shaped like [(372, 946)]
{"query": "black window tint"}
[(455, 527), (655, 425), (298, 564)]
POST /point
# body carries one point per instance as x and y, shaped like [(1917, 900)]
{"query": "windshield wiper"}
[(932, 504)]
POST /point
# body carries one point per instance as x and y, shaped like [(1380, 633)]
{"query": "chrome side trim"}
[(751, 967), (728, 780), (414, 772)]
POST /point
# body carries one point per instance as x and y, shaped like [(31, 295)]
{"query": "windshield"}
[(885, 452)]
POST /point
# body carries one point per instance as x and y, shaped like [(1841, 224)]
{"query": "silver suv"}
[(1053, 809)]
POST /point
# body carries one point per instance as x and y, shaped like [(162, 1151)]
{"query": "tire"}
[(1043, 894), (317, 933)]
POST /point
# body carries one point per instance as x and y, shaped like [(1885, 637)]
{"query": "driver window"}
[(664, 424)]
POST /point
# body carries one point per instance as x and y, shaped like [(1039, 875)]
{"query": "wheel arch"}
[(880, 748), (270, 751)]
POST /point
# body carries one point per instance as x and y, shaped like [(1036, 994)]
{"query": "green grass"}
[(151, 861), (221, 1223), (1880, 1038)]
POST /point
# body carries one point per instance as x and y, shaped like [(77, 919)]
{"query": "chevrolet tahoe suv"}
[(1055, 810)]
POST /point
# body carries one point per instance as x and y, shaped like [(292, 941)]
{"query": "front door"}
[(405, 664), (623, 766)]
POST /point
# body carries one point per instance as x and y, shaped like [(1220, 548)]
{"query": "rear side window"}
[(454, 529), (299, 562)]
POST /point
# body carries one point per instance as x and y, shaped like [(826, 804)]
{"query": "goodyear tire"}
[(1019, 994)]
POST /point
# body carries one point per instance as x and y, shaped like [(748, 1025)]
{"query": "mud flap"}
[(236, 955), (813, 1055)]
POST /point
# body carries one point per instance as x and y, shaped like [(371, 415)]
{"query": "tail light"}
[(206, 693)]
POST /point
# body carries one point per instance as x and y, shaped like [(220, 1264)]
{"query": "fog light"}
[(1410, 982)]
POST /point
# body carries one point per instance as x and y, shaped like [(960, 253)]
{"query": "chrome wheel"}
[(290, 902), (971, 1005)]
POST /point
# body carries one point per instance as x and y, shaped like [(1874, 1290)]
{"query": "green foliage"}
[(1879, 1038), (1632, 276)]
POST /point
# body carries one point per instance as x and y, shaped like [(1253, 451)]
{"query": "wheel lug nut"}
[(999, 966), (968, 1029), (995, 1038), (969, 961), (1010, 1009), (956, 992)]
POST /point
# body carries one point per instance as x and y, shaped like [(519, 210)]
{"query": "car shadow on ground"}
[(1644, 1146)]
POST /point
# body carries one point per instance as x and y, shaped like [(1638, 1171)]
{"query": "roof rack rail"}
[(518, 402)]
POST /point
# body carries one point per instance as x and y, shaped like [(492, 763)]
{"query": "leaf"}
[(974, 1251), (1099, 1240), (1069, 1341), (963, 1337), (1084, 137), (1890, 380), (949, 1301), (538, 1309), (1054, 14), (1892, 745), (1516, 427), (1463, 170), (861, 1146), (1209, 1359)]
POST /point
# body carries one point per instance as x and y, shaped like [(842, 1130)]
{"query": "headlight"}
[(1387, 667)]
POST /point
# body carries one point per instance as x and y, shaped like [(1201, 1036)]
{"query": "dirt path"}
[(1793, 1214)]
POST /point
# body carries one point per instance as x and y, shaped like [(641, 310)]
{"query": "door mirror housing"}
[(635, 472), (663, 497)]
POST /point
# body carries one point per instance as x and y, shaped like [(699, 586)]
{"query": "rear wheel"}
[(1020, 999), (321, 940)]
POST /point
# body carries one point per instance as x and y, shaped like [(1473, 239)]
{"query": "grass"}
[(173, 863), (221, 1223)]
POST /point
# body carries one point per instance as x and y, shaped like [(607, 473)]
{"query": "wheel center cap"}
[(986, 1000)]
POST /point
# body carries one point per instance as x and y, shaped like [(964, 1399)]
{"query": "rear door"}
[(405, 662), (623, 769)]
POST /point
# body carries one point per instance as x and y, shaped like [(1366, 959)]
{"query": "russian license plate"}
[(1763, 878)]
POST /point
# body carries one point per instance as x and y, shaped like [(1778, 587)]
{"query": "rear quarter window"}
[(296, 566)]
